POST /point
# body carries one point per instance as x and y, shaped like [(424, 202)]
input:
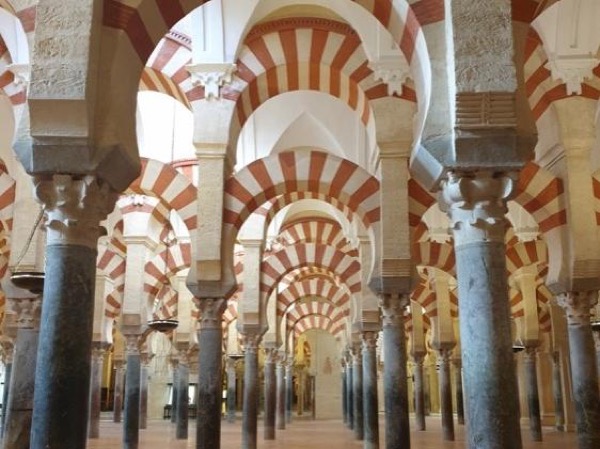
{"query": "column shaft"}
[(183, 380), (118, 391), (5, 392), (419, 393), (280, 418), (289, 391), (350, 395), (62, 381), (270, 396), (446, 395), (19, 405), (559, 411), (131, 415), (370, 401), (144, 396), (96, 392), (533, 399), (460, 406), (357, 377), (344, 396), (250, 415), (175, 399), (231, 391), (395, 387)]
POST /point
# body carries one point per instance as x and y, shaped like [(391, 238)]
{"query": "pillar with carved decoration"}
[(19, 405), (583, 365), (73, 209)]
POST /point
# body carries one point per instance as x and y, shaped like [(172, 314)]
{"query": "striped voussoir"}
[(426, 298), (522, 254), (419, 202), (173, 189), (327, 289), (307, 273), (164, 265), (296, 171), (596, 187), (316, 308), (164, 305), (318, 322), (543, 297), (317, 230), (436, 255)]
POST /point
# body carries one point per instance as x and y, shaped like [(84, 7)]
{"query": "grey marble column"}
[(370, 402), (8, 362), (476, 205), (19, 405), (446, 394), (531, 388), (559, 410), (289, 388), (145, 361), (419, 391), (183, 383), (357, 380), (231, 390), (395, 387), (250, 414), (583, 366), (344, 393), (175, 394), (98, 351), (280, 418), (460, 406), (131, 413), (210, 395), (350, 390), (597, 344), (270, 393), (73, 208), (118, 390)]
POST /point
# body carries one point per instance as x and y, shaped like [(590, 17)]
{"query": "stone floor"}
[(304, 434)]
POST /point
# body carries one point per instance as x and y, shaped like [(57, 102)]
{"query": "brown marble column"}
[(119, 367), (98, 351)]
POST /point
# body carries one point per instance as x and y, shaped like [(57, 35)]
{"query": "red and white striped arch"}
[(172, 188), (427, 299), (323, 288), (296, 171), (316, 230), (435, 254), (168, 298), (543, 297), (521, 254), (308, 273), (324, 323), (316, 308), (277, 265), (164, 265)]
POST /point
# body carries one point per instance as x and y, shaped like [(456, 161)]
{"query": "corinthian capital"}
[(211, 312), (476, 204), (578, 306), (74, 207), (392, 308)]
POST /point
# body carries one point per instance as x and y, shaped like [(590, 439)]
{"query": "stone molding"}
[(578, 306), (369, 341), (392, 72), (211, 312), (28, 311), (211, 76), (485, 110), (251, 342), (271, 355), (132, 344), (355, 353), (392, 308), (572, 71), (22, 74), (476, 205), (74, 207)]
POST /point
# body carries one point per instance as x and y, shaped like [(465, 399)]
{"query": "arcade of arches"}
[(368, 211)]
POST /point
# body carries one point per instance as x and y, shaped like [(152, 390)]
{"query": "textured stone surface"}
[(250, 416), (208, 429), (357, 395), (183, 381), (131, 414), (370, 400), (280, 418), (533, 398), (270, 393)]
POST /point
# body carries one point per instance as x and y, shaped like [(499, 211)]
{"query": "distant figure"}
[(328, 368)]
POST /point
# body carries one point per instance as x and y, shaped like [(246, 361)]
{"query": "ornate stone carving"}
[(74, 207), (8, 349), (251, 342), (355, 352), (393, 72), (28, 312), (132, 344), (485, 110), (271, 355), (578, 306), (443, 356), (211, 312), (22, 74), (476, 205), (212, 76), (530, 354), (572, 71), (392, 307), (369, 341)]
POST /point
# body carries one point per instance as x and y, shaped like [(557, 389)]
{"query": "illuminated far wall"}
[(325, 366)]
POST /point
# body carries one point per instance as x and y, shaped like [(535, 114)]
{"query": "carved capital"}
[(392, 308), (98, 351), (572, 71), (28, 312), (578, 306), (443, 356), (74, 207), (211, 312), (530, 354), (355, 352), (8, 349), (392, 72), (250, 342), (271, 355), (476, 205), (132, 344), (369, 341), (212, 76)]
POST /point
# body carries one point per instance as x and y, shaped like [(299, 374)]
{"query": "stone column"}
[(531, 388), (19, 405), (250, 414), (210, 356), (344, 393), (74, 206), (98, 351), (131, 414), (460, 406), (446, 394), (145, 362), (419, 391), (183, 385), (559, 411), (301, 383), (289, 388), (395, 387), (231, 390), (476, 206), (370, 402), (583, 366), (118, 390), (280, 418), (270, 392), (8, 363), (175, 392), (350, 390), (357, 380), (597, 344)]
